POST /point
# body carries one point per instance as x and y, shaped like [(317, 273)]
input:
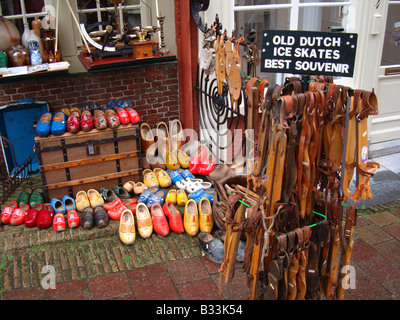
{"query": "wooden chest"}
[(89, 160)]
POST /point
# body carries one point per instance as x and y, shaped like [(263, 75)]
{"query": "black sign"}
[(301, 52)]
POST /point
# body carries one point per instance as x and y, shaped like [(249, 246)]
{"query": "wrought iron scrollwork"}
[(197, 6)]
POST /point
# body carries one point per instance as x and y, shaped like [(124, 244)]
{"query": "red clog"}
[(116, 212), (129, 202), (7, 212), (200, 157), (73, 218), (18, 216), (59, 222), (32, 215), (87, 121), (207, 167), (123, 115), (45, 217), (133, 115), (113, 204), (174, 217), (160, 223), (74, 122)]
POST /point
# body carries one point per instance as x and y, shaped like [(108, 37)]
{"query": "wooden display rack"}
[(89, 160)]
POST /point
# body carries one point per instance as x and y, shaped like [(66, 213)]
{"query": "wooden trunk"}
[(89, 160)]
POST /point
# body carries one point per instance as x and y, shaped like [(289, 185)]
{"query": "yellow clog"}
[(205, 215), (150, 179), (171, 196), (171, 161), (183, 159), (95, 198), (181, 198), (82, 201), (163, 178), (191, 218), (127, 232), (144, 222), (67, 111)]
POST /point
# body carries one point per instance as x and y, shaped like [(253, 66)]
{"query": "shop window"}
[(391, 47), (22, 12), (305, 15), (127, 14)]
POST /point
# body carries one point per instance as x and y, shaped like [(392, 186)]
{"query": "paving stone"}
[(393, 286), (149, 271), (182, 271), (235, 287), (158, 287), (26, 283), (390, 250), (65, 287), (368, 289), (396, 212), (383, 218), (372, 234), (199, 290), (394, 230), (362, 251), (24, 294), (362, 221), (380, 269), (75, 296), (108, 286)]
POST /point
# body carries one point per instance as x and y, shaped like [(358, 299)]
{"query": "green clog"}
[(108, 194), (121, 192), (24, 196), (36, 197)]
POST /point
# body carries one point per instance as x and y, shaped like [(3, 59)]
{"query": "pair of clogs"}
[(177, 159), (84, 199), (134, 187), (178, 197), (94, 217), (159, 215), (67, 203), (156, 178), (198, 217), (59, 223), (128, 115), (30, 196), (48, 123), (202, 162), (14, 214)]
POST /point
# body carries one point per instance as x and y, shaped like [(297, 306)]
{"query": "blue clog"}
[(158, 197), (202, 193), (146, 194), (57, 206), (111, 104), (122, 103), (186, 174), (59, 123), (44, 124), (69, 203), (174, 175)]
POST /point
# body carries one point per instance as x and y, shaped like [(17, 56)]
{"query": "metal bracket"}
[(197, 6)]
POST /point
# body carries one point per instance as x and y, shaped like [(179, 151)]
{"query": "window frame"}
[(294, 6)]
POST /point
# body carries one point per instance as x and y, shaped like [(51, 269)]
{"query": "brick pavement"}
[(95, 265)]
